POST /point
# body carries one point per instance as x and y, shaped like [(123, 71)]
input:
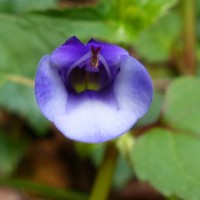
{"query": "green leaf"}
[(182, 109), (170, 162), (155, 43), (11, 152), (20, 6), (154, 111)]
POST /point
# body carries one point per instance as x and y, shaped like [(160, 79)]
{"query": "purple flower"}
[(93, 92)]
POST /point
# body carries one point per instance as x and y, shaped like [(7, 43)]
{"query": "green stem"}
[(43, 190), (188, 13), (103, 180)]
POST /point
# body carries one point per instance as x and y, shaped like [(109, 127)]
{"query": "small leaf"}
[(182, 109), (170, 162), (11, 152)]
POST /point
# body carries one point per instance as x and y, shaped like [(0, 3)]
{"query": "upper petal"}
[(73, 41), (68, 53), (50, 91)]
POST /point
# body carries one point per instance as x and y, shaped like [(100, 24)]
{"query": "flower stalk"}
[(101, 187), (188, 14)]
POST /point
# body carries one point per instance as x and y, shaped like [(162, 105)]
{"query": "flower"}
[(92, 92)]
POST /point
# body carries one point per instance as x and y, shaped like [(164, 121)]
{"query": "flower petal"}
[(93, 119), (133, 87), (73, 41), (50, 91), (110, 52), (68, 53)]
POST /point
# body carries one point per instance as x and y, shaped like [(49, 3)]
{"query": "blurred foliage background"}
[(160, 158)]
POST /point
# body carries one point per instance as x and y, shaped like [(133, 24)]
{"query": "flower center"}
[(81, 80), (90, 72)]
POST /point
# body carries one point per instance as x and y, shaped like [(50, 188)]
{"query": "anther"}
[(94, 61)]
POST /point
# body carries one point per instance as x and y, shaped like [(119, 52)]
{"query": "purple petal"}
[(68, 53), (50, 91), (73, 41), (133, 87), (110, 52)]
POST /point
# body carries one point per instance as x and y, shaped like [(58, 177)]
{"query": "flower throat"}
[(90, 72)]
